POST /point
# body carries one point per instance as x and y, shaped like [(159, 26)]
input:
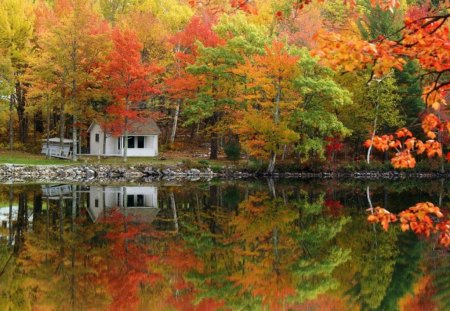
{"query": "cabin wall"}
[(150, 148), (94, 146), (112, 145)]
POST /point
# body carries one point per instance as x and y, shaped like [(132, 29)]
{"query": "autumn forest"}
[(307, 82), (191, 92)]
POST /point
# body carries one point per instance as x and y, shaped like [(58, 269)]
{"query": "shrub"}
[(232, 150)]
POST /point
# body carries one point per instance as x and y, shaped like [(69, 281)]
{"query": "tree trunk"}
[(74, 99), (20, 106), (74, 138), (61, 226), (271, 166), (62, 121), (47, 155), (125, 132), (214, 147), (276, 118), (174, 211), (175, 122), (369, 151), (11, 199), (11, 128), (125, 142)]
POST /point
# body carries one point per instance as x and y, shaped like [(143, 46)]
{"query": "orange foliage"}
[(403, 157)]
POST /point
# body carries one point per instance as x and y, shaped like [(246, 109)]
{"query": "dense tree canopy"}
[(280, 78)]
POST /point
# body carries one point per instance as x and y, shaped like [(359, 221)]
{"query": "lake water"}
[(225, 245)]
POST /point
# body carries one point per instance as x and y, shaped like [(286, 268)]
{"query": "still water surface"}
[(225, 245)]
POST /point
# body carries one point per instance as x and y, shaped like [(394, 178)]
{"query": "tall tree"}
[(16, 29), (182, 85), (129, 80), (72, 54)]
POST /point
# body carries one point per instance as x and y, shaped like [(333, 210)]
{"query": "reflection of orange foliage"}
[(324, 302), (262, 279), (382, 216), (419, 219), (129, 265), (422, 298), (266, 271)]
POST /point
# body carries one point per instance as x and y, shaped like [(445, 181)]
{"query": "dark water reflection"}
[(219, 245)]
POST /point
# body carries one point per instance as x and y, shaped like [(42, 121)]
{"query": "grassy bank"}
[(187, 161), (24, 158)]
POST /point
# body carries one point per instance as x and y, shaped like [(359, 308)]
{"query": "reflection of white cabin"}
[(142, 140), (139, 202), (8, 219), (57, 192), (54, 149)]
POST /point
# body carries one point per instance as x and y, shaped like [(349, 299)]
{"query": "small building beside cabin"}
[(143, 137), (54, 148)]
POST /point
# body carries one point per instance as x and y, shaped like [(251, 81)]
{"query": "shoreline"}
[(108, 172)]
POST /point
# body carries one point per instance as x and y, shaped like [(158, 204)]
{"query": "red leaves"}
[(418, 218), (244, 5)]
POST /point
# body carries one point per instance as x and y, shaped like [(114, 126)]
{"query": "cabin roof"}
[(141, 126)]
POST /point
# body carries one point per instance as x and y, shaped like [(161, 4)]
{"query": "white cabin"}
[(139, 202), (142, 140)]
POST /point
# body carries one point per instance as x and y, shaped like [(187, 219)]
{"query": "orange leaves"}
[(404, 157), (348, 52), (429, 124), (403, 132), (422, 218), (433, 148), (379, 142), (382, 216)]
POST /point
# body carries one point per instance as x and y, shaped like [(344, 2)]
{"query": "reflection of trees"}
[(274, 252), (407, 269), (67, 263), (373, 259), (59, 261)]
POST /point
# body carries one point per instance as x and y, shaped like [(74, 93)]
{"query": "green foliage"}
[(316, 119), (410, 91), (233, 150), (378, 22)]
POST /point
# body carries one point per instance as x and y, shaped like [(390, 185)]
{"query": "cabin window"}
[(130, 200), (140, 142), (118, 200), (118, 142), (96, 202), (130, 141), (97, 138), (140, 200)]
